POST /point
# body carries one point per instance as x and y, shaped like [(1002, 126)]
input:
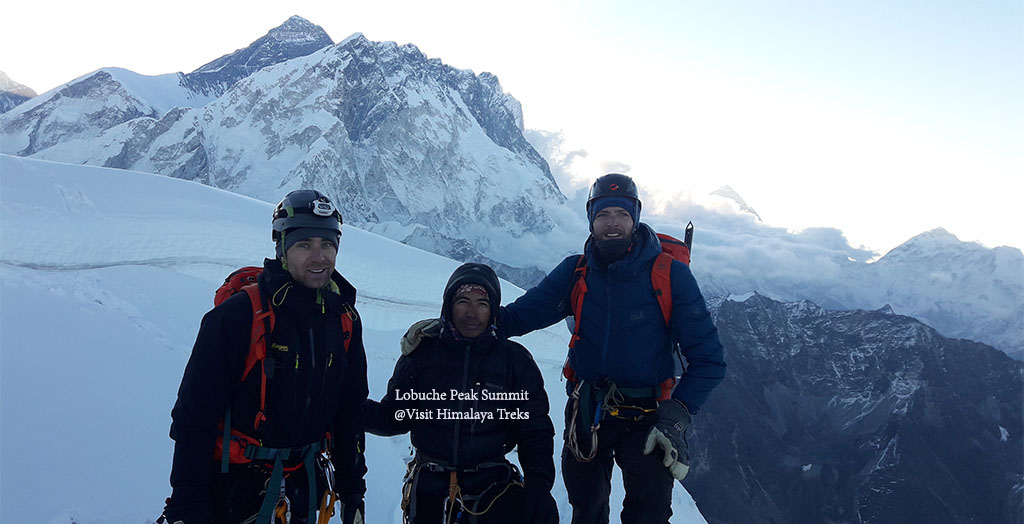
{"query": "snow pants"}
[(647, 482)]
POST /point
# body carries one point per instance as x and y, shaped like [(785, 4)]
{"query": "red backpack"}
[(243, 280), (661, 278)]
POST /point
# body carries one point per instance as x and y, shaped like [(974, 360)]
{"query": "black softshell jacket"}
[(316, 386), (473, 375)]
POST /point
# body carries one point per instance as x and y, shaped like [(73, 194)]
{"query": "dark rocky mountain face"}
[(9, 101), (856, 417)]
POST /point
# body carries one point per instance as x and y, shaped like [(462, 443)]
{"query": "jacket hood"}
[(472, 273)]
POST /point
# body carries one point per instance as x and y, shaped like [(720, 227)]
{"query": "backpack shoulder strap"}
[(259, 339), (348, 319), (262, 325), (661, 280), (579, 289)]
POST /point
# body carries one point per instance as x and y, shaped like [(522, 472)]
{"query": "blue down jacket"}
[(623, 335)]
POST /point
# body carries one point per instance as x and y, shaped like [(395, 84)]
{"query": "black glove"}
[(540, 506), (669, 433), (429, 328), (352, 510)]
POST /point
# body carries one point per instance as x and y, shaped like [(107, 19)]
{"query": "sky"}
[(883, 119)]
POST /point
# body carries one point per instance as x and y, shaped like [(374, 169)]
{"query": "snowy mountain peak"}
[(929, 275), (885, 310), (730, 194), (938, 235), (357, 36), (294, 38), (10, 86), (298, 30), (931, 243), (12, 94)]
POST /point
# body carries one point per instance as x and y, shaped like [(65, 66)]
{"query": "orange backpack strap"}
[(232, 442), (262, 327), (661, 280), (348, 319), (579, 288)]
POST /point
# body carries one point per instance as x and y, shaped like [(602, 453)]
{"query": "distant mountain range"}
[(427, 154), (436, 157), (961, 288)]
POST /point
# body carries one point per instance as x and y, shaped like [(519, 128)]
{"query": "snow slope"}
[(104, 276)]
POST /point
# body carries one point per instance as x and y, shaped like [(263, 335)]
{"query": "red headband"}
[(472, 288)]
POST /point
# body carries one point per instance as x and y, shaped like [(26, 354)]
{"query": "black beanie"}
[(299, 234)]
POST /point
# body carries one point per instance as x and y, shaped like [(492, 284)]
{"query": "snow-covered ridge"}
[(161, 92)]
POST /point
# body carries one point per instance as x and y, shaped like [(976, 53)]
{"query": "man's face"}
[(311, 261), (471, 313), (613, 223)]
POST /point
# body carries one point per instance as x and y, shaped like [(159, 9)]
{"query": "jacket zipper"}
[(312, 369), (458, 422), (323, 379), (607, 322)]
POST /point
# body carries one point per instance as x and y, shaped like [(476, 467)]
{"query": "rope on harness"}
[(573, 443), (612, 402), (455, 494), (489, 506)]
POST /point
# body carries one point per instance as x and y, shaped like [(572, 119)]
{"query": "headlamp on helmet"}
[(306, 208)]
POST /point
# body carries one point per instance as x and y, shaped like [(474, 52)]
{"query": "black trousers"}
[(484, 490), (647, 482)]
